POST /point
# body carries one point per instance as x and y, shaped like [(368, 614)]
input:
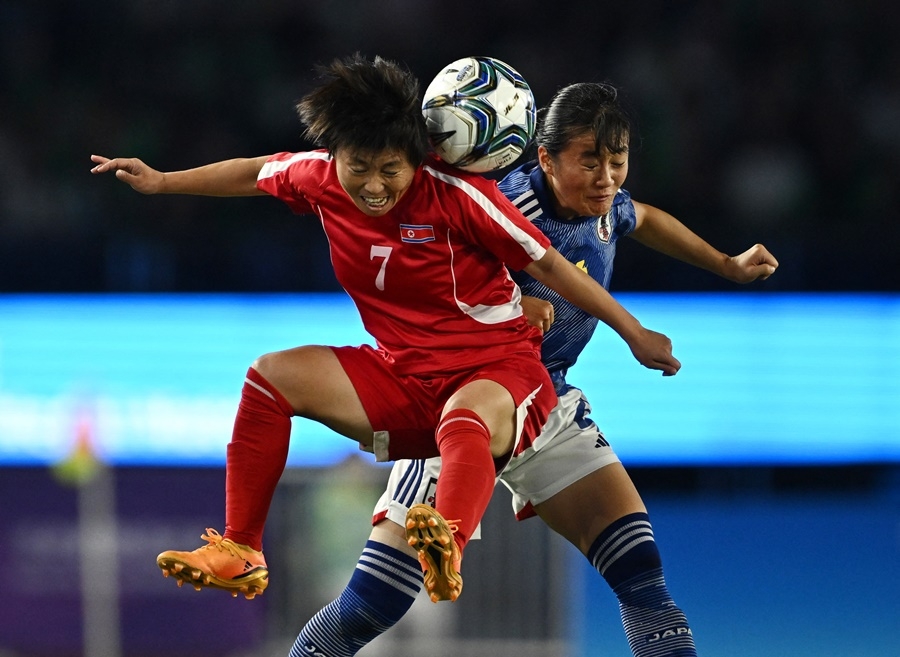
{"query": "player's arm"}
[(664, 233), (235, 177), (651, 349)]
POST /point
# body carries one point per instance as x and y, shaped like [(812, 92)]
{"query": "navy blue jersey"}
[(587, 242)]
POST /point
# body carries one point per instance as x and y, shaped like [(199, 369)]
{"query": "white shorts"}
[(570, 447)]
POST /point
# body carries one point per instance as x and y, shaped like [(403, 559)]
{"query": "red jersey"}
[(429, 278)]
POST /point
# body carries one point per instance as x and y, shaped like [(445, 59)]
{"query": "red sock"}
[(467, 471), (256, 458)]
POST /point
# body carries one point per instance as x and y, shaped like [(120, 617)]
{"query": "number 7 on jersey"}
[(380, 252)]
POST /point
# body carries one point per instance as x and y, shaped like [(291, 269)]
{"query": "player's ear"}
[(545, 160)]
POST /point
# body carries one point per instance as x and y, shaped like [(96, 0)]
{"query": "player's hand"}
[(654, 350), (132, 171), (538, 312), (754, 263)]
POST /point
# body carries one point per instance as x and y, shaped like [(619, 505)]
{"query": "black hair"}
[(368, 106), (591, 107)]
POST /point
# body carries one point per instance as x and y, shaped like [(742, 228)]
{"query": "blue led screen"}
[(155, 379)]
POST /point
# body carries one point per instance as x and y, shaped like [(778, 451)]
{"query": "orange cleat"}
[(432, 538), (221, 564)]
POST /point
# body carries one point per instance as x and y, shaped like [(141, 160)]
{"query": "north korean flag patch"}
[(415, 234)]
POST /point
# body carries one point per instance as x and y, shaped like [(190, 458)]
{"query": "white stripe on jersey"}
[(532, 248), (483, 313), (531, 210), (522, 197), (529, 205), (528, 202), (272, 167)]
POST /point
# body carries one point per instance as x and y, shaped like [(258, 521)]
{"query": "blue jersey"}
[(588, 242)]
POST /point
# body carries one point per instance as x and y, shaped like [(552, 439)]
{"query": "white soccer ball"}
[(480, 114)]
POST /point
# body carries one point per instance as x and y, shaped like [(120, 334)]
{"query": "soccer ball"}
[(479, 113)]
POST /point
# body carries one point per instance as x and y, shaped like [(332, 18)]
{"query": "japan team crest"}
[(603, 228)]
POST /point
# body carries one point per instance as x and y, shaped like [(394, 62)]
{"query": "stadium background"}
[(760, 121)]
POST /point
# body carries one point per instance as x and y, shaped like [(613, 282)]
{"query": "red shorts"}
[(404, 410)]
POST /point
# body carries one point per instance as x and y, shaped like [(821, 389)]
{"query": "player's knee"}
[(277, 366), (265, 365)]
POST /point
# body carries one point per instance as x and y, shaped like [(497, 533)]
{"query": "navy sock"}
[(382, 589), (626, 555)]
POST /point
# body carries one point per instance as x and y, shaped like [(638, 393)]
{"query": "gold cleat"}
[(221, 564), (432, 538)]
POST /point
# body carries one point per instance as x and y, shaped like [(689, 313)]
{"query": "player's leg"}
[(602, 514), (306, 381), (383, 587), (578, 487), (606, 495), (387, 577), (464, 438), (481, 422)]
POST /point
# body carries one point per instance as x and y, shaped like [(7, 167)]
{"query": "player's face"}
[(375, 181), (584, 182)]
